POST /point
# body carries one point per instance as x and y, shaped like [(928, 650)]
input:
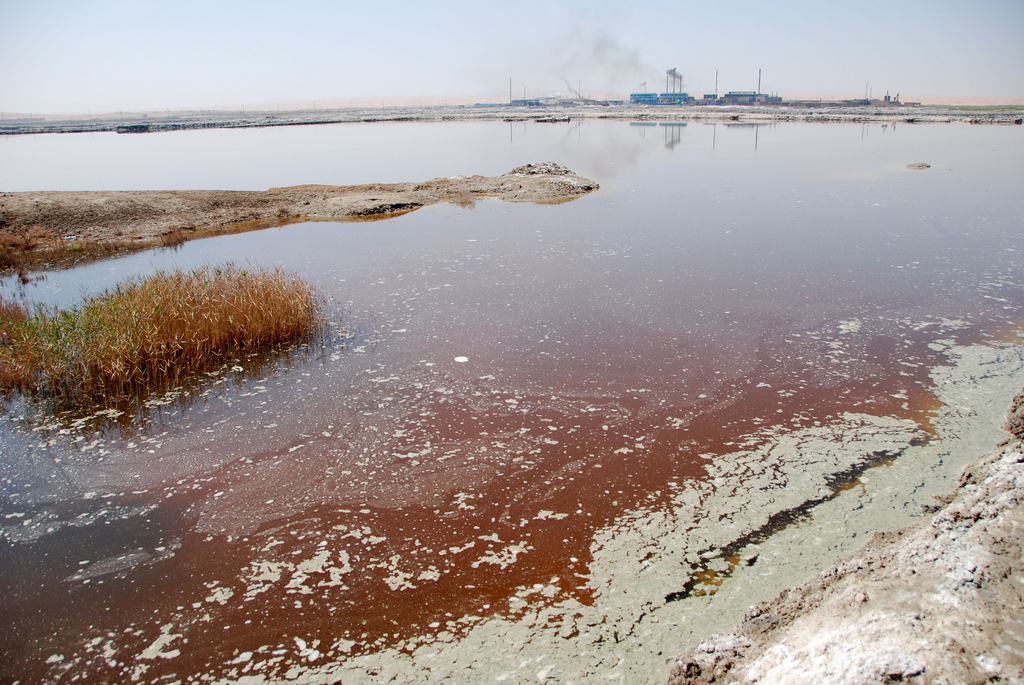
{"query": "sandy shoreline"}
[(64, 226)]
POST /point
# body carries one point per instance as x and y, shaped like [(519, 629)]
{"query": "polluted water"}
[(513, 382)]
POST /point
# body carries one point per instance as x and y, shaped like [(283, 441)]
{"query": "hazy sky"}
[(78, 55)]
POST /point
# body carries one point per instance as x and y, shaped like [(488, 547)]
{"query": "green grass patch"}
[(154, 332)]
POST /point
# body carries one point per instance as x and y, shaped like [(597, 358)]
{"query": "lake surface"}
[(517, 376)]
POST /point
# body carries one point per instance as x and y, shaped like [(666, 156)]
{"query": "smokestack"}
[(677, 81), (758, 81)]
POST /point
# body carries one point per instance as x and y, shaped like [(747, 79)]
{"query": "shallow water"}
[(726, 283)]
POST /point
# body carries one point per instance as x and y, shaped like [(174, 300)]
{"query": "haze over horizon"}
[(93, 55)]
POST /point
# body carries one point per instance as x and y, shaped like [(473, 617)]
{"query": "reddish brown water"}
[(383, 492)]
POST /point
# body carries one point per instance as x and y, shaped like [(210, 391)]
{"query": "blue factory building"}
[(662, 99), (643, 98)]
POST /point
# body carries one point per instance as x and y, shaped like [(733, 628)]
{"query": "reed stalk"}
[(154, 331)]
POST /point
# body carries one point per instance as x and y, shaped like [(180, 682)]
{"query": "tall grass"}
[(153, 332), (13, 318)]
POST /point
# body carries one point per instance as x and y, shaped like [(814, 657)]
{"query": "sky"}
[(73, 56)]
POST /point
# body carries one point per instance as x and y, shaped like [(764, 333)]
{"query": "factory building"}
[(643, 98), (675, 99), (748, 97), (674, 95)]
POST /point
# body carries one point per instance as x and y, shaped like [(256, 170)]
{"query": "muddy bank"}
[(38, 227), (940, 601)]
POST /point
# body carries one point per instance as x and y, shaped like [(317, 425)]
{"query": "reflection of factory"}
[(673, 130)]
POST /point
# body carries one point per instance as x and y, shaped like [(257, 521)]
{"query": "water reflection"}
[(707, 297), (673, 133)]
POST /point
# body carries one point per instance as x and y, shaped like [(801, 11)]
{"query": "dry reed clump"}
[(173, 238), (12, 321), (154, 331), (15, 246)]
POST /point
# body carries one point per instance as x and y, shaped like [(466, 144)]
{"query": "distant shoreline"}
[(136, 123)]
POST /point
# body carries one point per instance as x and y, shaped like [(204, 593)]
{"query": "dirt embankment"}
[(940, 602), (37, 227)]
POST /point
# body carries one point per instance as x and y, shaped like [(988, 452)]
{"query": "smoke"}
[(601, 62)]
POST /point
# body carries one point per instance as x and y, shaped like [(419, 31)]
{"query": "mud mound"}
[(65, 221)]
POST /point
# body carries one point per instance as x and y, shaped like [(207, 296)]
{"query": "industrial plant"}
[(674, 95)]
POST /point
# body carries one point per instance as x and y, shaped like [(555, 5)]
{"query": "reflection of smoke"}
[(602, 61)]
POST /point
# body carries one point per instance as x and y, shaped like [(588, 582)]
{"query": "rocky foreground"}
[(939, 602)]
